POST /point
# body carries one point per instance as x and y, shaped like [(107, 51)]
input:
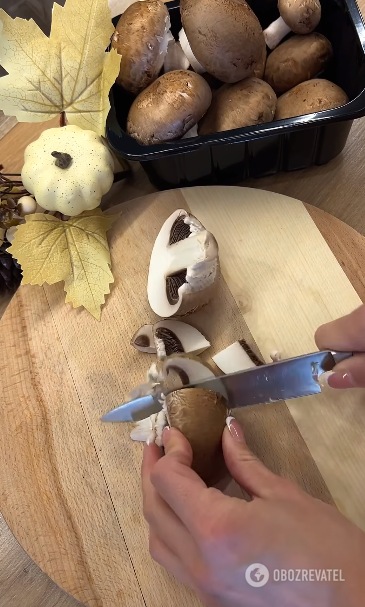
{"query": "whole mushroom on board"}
[(249, 102), (184, 266), (225, 37), (312, 96), (298, 16), (141, 37), (296, 60), (169, 107)]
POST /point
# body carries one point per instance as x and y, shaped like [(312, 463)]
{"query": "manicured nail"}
[(235, 429), (164, 434), (341, 380)]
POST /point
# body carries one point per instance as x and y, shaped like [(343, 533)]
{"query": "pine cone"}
[(10, 271)]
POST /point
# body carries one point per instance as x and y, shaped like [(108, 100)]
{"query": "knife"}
[(282, 380)]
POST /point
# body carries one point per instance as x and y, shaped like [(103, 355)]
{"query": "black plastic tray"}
[(284, 145)]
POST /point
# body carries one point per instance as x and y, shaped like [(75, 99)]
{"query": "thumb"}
[(249, 471)]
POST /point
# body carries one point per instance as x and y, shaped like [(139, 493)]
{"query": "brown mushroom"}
[(225, 37), (308, 97), (169, 107), (298, 59), (260, 69), (141, 38), (298, 16), (251, 101), (201, 417)]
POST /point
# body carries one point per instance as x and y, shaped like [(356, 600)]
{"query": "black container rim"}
[(137, 152)]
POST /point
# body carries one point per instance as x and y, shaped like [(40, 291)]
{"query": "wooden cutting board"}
[(70, 485)]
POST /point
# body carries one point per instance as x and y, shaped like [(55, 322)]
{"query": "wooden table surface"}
[(337, 188)]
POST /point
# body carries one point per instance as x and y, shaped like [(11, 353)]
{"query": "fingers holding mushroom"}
[(298, 59), (184, 267), (249, 102), (169, 107), (141, 38), (298, 16), (199, 414)]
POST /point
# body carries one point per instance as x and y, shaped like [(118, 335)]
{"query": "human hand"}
[(346, 334), (207, 540)]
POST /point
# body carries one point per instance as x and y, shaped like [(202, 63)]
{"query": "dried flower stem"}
[(7, 184)]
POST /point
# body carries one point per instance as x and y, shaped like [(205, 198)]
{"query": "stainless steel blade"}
[(134, 411), (283, 380)]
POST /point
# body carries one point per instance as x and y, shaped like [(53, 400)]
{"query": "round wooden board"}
[(70, 486)]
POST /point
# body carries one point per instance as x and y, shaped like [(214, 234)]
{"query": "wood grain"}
[(336, 188), (70, 486), (22, 583), (287, 283), (54, 478)]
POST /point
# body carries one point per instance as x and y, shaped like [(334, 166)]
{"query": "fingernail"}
[(235, 429), (341, 380), (164, 434)]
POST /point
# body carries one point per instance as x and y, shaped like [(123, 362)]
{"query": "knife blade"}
[(282, 380)]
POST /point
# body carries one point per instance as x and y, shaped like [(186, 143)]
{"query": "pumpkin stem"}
[(63, 159)]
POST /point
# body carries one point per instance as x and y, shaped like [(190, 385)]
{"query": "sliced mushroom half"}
[(184, 266), (237, 357), (169, 337)]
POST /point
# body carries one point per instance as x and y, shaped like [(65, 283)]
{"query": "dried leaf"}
[(69, 71), (76, 251)]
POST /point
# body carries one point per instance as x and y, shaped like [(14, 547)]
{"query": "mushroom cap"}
[(169, 107), (308, 97), (296, 60), (225, 36), (260, 69), (141, 37), (302, 16), (251, 101), (201, 417)]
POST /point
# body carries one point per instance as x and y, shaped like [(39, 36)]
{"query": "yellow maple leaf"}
[(67, 72), (76, 251)]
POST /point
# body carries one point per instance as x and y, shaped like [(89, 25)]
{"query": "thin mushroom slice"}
[(184, 267), (169, 337), (239, 356)]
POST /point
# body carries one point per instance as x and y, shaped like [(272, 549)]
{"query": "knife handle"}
[(340, 356)]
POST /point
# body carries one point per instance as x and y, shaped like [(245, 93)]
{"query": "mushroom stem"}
[(175, 58), (195, 249), (186, 48), (276, 32), (193, 132)]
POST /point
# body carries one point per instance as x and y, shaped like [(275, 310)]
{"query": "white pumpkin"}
[(68, 170)]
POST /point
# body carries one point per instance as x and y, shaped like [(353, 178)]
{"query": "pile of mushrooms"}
[(217, 75), (183, 276)]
